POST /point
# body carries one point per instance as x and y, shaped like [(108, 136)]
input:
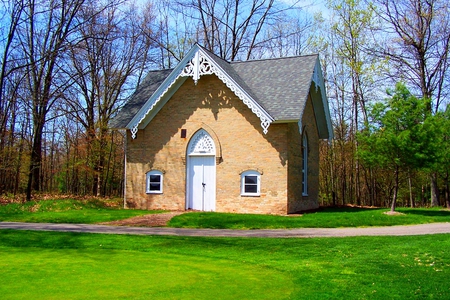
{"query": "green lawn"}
[(67, 211), (324, 218), (51, 265), (96, 211)]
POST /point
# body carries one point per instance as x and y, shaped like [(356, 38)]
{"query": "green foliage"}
[(440, 123), (51, 265), (325, 218), (67, 211), (400, 133)]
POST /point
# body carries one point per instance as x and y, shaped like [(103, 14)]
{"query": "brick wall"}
[(240, 145), (296, 200)]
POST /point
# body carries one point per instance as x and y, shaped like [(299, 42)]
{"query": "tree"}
[(10, 79), (232, 29), (110, 57), (399, 135), (417, 44), (45, 29), (350, 77), (441, 123)]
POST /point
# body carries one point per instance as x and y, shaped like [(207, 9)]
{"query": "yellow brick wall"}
[(240, 143), (297, 201)]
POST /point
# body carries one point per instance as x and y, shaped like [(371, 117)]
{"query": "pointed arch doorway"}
[(201, 172)]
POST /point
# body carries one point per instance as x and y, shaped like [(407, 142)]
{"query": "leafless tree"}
[(417, 41), (234, 29), (107, 65), (10, 78), (292, 35), (46, 29)]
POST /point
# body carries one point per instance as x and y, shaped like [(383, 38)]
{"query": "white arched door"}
[(201, 173)]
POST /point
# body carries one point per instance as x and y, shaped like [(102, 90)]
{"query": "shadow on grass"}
[(426, 212), (341, 209), (34, 239)]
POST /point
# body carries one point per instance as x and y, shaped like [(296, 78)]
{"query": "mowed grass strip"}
[(87, 211), (51, 265), (92, 211), (323, 218)]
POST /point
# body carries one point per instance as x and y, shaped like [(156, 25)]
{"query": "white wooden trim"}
[(195, 64)]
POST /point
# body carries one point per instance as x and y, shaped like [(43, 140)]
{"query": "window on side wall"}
[(305, 165), (250, 183), (154, 181)]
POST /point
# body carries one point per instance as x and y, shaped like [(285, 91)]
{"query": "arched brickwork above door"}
[(212, 135)]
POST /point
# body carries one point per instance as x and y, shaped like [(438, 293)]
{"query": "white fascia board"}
[(154, 99), (317, 78)]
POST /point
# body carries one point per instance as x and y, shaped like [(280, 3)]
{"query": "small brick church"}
[(212, 135)]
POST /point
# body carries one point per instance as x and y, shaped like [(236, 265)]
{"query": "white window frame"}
[(258, 183), (147, 182), (305, 164)]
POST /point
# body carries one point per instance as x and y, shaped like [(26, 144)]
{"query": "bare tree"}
[(107, 64), (10, 78), (292, 35), (234, 29), (417, 44), (45, 30)]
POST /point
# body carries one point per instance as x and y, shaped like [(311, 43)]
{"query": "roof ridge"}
[(272, 59), (212, 53)]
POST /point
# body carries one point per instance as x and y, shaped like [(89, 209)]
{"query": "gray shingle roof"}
[(148, 86), (280, 86)]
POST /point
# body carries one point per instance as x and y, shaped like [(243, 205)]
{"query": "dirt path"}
[(151, 220)]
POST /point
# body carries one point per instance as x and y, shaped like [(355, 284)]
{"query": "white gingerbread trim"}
[(198, 63), (201, 64)]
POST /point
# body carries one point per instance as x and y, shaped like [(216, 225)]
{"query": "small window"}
[(250, 183), (305, 165), (154, 182)]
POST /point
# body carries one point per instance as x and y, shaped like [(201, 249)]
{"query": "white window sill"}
[(250, 195), (154, 192)]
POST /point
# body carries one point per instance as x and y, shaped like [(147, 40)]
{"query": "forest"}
[(68, 66)]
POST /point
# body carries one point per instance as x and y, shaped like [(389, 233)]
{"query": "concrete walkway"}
[(433, 228)]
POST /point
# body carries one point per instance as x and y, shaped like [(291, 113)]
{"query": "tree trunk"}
[(35, 162), (411, 200), (447, 192), (434, 190), (394, 197)]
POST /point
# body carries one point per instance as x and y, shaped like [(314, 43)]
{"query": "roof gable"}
[(197, 62), (273, 89)]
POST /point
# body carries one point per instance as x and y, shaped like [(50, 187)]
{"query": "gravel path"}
[(433, 228)]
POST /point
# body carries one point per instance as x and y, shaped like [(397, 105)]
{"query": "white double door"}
[(201, 183)]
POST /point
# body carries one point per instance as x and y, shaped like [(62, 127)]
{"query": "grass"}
[(324, 218), (67, 211), (52, 265), (96, 211)]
